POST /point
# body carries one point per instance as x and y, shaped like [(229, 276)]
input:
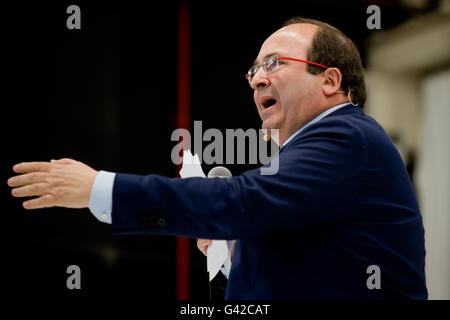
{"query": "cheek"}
[(300, 90), (293, 85), (294, 93)]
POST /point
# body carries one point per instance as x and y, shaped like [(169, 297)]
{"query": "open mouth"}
[(268, 103)]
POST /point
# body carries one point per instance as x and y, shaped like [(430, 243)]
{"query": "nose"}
[(260, 81)]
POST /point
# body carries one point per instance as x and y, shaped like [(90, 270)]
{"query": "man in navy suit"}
[(338, 221)]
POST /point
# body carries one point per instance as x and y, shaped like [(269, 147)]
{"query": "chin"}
[(270, 124)]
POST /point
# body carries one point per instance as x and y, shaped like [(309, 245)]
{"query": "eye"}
[(272, 65)]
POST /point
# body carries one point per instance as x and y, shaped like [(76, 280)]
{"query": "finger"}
[(25, 167), (200, 245), (204, 247), (202, 242), (26, 179), (64, 161), (37, 189), (41, 202)]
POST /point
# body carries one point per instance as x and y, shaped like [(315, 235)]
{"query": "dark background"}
[(106, 95)]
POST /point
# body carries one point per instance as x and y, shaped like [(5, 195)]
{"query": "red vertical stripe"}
[(183, 121)]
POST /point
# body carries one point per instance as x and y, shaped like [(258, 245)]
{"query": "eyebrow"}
[(265, 57)]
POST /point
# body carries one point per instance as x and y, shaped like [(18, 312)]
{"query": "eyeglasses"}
[(272, 64)]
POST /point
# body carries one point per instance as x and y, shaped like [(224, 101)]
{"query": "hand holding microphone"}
[(216, 172)]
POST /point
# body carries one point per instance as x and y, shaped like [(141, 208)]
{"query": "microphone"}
[(219, 172)]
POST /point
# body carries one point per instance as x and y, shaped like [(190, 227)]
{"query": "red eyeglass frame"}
[(298, 60)]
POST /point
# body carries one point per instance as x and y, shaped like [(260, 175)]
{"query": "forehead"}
[(292, 40)]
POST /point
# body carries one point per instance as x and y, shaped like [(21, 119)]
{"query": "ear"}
[(332, 81)]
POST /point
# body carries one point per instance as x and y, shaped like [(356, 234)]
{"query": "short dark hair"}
[(332, 48)]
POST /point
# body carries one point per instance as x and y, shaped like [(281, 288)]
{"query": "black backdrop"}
[(106, 95)]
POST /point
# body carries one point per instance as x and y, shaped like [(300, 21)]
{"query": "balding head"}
[(298, 36), (288, 96), (332, 48)]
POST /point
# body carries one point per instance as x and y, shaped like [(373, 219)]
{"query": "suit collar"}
[(347, 109)]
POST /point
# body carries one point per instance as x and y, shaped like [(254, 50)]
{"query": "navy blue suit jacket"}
[(341, 202)]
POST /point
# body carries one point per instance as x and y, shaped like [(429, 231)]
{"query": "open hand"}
[(61, 183)]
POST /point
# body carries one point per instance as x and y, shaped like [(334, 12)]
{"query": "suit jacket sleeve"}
[(317, 183)]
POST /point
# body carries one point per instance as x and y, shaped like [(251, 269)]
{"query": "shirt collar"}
[(320, 116)]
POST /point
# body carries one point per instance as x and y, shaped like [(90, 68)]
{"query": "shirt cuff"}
[(226, 267), (100, 200), (225, 272)]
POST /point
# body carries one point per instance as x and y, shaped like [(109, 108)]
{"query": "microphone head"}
[(219, 172)]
